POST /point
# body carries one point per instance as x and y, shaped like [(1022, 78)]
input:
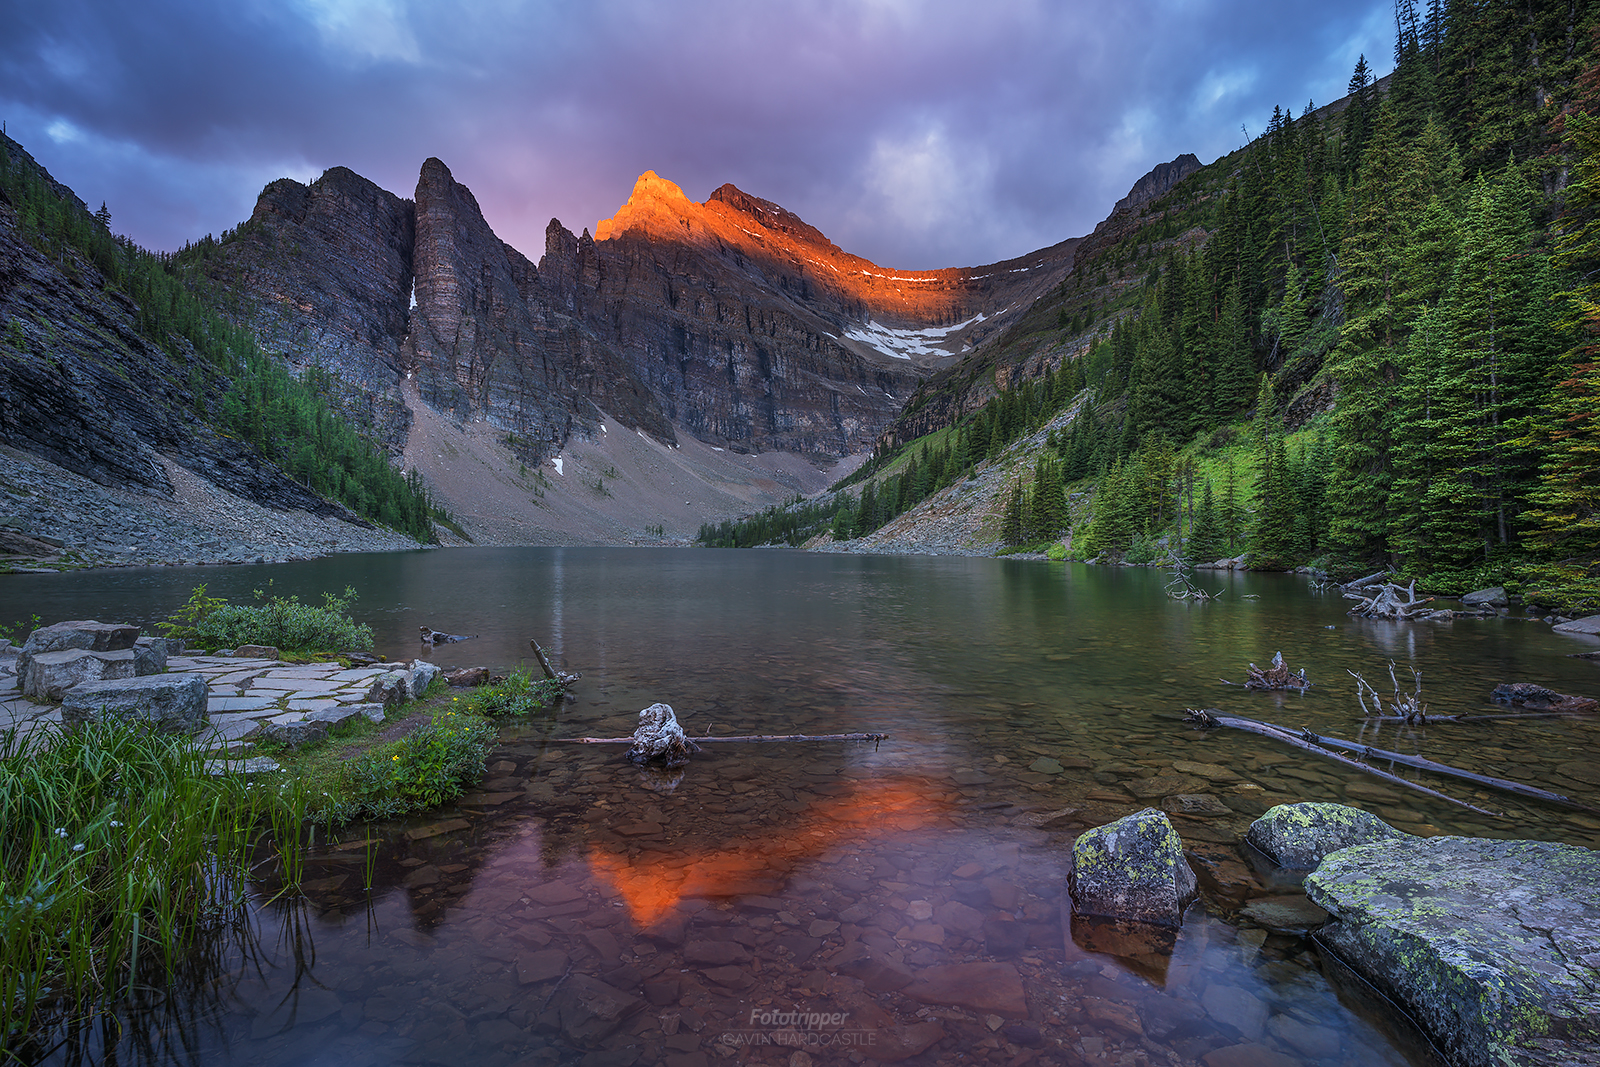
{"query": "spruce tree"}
[(1206, 541), (1011, 526)]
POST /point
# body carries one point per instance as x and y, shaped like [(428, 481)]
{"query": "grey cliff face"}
[(81, 387)]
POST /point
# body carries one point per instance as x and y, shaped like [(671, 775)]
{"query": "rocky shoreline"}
[(57, 520)]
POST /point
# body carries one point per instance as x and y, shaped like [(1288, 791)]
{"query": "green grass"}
[(117, 855)]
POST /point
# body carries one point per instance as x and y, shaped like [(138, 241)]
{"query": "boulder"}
[(175, 703), (1298, 836), (468, 677), (48, 675), (1492, 946), (390, 688), (1133, 868), (1589, 624), (1493, 597), (167, 646), (1538, 698), (257, 652), (83, 633), (296, 732), (420, 676)]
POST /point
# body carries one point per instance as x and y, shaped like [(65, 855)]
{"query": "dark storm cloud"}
[(919, 134)]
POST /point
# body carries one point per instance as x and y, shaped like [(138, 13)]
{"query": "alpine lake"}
[(766, 904)]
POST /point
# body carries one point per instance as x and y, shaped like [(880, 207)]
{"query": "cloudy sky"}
[(918, 133)]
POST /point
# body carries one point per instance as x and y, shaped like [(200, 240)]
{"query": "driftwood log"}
[(1387, 600), (1211, 717), (1422, 763), (740, 738), (566, 679), (430, 636), (1276, 675)]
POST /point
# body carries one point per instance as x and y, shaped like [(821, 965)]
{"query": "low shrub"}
[(282, 622), (519, 696), (421, 770)]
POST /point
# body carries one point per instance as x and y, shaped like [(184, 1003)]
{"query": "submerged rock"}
[(1492, 946), (1298, 836), (1133, 868)]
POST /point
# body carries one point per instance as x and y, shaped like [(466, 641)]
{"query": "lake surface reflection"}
[(854, 903)]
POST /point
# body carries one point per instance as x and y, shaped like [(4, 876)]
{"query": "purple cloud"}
[(918, 134)]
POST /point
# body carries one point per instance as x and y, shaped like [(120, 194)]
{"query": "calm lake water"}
[(575, 909)]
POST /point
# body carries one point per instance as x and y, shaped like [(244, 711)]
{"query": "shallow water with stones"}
[(903, 899)]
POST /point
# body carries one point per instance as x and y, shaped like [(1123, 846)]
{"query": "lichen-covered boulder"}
[(1493, 947), (1133, 868), (1298, 836), (175, 703)]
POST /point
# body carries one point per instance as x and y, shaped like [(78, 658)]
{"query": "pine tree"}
[(1011, 525), (1271, 540), (1206, 541), (1048, 514)]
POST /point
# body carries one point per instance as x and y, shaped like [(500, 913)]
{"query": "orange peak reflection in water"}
[(652, 884)]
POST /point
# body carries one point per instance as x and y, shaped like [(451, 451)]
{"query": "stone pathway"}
[(255, 699)]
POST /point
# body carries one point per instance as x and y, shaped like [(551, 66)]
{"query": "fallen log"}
[(430, 636), (1422, 763), (743, 738), (1210, 717), (1508, 717)]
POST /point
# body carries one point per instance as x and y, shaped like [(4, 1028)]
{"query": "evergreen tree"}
[(1207, 543), (1011, 526)]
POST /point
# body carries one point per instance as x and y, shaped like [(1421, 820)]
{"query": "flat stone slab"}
[(227, 704), (1492, 946), (258, 765)]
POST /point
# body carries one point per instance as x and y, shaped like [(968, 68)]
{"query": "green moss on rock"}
[(1298, 836), (1492, 946), (1133, 868)]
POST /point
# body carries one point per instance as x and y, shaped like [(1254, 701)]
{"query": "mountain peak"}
[(653, 197)]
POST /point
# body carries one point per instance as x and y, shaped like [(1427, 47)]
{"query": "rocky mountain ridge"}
[(730, 324)]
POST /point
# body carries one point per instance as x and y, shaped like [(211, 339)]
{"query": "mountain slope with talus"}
[(732, 324)]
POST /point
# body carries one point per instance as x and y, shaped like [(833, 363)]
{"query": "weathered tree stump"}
[(1387, 600), (659, 738), (1275, 675)]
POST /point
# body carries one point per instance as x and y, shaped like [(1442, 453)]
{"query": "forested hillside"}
[(1367, 339)]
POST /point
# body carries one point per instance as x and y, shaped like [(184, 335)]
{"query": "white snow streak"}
[(903, 344)]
